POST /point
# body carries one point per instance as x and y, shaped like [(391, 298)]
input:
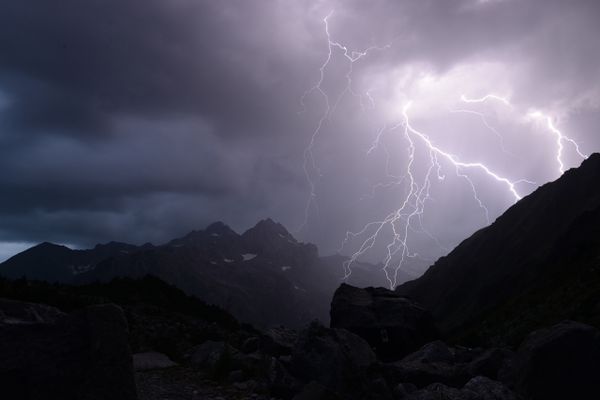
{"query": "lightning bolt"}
[(416, 183), (483, 99), (310, 167), (413, 206), (560, 139), (483, 117)]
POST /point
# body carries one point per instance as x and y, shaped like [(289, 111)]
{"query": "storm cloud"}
[(141, 120)]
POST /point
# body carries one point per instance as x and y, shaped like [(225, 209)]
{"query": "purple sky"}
[(141, 120)]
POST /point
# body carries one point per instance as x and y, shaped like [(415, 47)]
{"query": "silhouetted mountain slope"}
[(52, 262), (264, 276), (536, 264)]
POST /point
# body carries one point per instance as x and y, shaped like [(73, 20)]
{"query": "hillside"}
[(536, 264)]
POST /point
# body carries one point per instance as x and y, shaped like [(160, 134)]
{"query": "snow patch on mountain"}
[(248, 256)]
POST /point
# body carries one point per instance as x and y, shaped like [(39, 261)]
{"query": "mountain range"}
[(535, 265), (263, 276), (515, 312)]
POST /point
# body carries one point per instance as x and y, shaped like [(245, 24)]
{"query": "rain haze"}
[(418, 121)]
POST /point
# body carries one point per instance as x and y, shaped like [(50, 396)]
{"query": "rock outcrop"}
[(84, 355), (560, 362), (338, 360), (393, 325)]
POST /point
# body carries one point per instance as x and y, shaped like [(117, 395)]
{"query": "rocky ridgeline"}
[(380, 346)]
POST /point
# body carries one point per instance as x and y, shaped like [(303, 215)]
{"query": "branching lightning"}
[(560, 139), (484, 118), (501, 99), (310, 167), (416, 182), (412, 208)]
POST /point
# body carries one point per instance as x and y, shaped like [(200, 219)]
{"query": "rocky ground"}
[(181, 383), (381, 346)]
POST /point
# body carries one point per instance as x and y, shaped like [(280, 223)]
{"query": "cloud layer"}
[(141, 120)]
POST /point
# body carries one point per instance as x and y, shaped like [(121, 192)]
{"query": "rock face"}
[(488, 389), (85, 355), (151, 360), (17, 312), (562, 362), (542, 252), (393, 325), (336, 359), (433, 363)]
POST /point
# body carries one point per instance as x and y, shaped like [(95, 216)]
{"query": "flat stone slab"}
[(152, 360)]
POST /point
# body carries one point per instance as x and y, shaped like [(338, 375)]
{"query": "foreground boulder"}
[(17, 312), (338, 360), (433, 363), (393, 325), (48, 355), (151, 360), (561, 362), (478, 388)]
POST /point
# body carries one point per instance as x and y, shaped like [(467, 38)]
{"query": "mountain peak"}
[(593, 161), (48, 246), (112, 245), (219, 228), (267, 229)]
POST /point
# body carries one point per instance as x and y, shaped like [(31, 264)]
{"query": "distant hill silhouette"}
[(264, 276), (536, 264)]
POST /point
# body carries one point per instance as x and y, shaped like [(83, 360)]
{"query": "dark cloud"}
[(139, 120)]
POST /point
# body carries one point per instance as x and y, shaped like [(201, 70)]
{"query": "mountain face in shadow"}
[(536, 264), (56, 263), (264, 276)]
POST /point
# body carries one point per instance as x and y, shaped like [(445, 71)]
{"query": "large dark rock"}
[(316, 391), (152, 360), (478, 388), (433, 363), (393, 325), (17, 312), (438, 391), (281, 383), (490, 362), (337, 359), (84, 355), (562, 362), (436, 362), (488, 389), (278, 341)]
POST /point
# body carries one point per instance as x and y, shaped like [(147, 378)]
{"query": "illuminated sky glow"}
[(139, 121)]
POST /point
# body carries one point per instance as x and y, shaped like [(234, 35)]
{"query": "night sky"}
[(139, 121)]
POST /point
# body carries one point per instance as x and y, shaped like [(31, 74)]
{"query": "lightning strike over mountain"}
[(413, 206), (560, 138), (425, 164)]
